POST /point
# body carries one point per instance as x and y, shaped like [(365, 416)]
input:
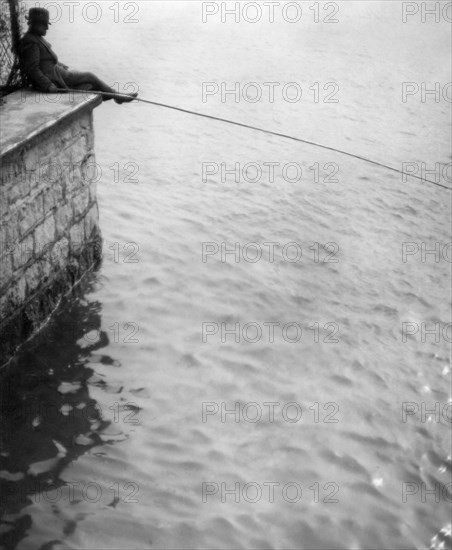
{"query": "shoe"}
[(128, 99)]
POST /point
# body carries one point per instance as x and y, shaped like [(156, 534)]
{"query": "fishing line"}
[(263, 130)]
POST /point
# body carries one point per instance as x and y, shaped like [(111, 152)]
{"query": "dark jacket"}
[(39, 63)]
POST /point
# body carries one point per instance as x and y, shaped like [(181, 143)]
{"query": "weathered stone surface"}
[(77, 150), (25, 118), (4, 206), (77, 233), (30, 214), (6, 270), (50, 235), (67, 135), (73, 178), (14, 193), (86, 121), (63, 217), (9, 234), (46, 266), (53, 197), (23, 252), (80, 202), (33, 276), (8, 172), (24, 185), (45, 233), (14, 297), (60, 253), (31, 157)]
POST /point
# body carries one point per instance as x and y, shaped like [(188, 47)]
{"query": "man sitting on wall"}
[(40, 65)]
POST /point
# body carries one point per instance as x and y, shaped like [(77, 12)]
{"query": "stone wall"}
[(49, 232)]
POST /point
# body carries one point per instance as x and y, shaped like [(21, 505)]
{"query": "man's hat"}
[(38, 15)]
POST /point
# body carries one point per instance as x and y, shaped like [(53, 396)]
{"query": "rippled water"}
[(102, 410)]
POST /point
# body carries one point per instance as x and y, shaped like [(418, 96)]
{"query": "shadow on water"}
[(47, 417)]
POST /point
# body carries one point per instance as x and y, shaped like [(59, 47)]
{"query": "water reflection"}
[(443, 539), (48, 418)]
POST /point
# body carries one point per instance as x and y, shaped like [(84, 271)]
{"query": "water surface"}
[(157, 370)]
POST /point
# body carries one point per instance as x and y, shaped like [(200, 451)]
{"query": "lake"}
[(263, 358)]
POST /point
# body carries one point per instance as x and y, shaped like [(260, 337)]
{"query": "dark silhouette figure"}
[(40, 64)]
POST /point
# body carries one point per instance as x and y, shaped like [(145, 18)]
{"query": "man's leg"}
[(91, 81), (87, 81)]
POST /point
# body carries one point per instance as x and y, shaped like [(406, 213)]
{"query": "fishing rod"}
[(257, 129)]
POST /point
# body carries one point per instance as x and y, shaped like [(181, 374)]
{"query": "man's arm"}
[(30, 63)]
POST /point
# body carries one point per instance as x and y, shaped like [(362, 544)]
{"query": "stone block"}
[(60, 253), (33, 278), (73, 179), (31, 158), (14, 193), (12, 298), (52, 173), (47, 145), (8, 173), (30, 179), (49, 201), (6, 270), (67, 135), (9, 233), (30, 214), (77, 234), (76, 151), (17, 292), (80, 202), (23, 252), (47, 267), (86, 121), (5, 243), (53, 197), (63, 217), (23, 185), (45, 233), (44, 251), (4, 206)]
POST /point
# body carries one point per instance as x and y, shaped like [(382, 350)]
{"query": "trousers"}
[(83, 80)]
